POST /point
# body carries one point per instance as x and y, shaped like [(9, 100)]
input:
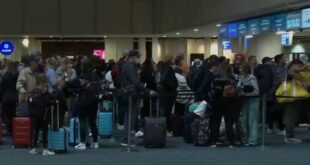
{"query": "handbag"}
[(290, 89)]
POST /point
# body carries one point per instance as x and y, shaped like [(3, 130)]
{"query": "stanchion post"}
[(129, 124), (264, 121)]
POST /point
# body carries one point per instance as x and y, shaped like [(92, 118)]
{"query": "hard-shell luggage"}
[(155, 130), (105, 119), (74, 132), (22, 132), (57, 137)]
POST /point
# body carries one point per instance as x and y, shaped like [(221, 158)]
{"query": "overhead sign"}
[(242, 28), (223, 31), (279, 22), (6, 48), (253, 26), (226, 44), (293, 20), (265, 24), (287, 39), (305, 18), (232, 30)]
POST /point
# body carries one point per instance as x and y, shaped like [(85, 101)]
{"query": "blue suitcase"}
[(105, 119), (74, 132), (57, 137)]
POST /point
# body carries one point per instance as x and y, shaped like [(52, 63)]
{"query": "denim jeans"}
[(248, 121)]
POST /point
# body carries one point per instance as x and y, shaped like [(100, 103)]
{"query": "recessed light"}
[(218, 25), (196, 30), (105, 36), (178, 33), (50, 36), (164, 36), (214, 36)]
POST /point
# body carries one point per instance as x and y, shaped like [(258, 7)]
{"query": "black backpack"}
[(192, 76)]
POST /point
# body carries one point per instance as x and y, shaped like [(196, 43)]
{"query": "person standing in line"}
[(248, 120), (50, 73), (9, 94)]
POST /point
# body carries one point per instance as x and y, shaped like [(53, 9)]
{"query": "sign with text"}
[(293, 20), (265, 24), (287, 39), (99, 53), (279, 22), (253, 26), (6, 48), (242, 28), (223, 31), (305, 18), (232, 30), (226, 44)]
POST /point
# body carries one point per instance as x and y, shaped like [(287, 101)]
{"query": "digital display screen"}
[(223, 31), (232, 30), (293, 20), (242, 28), (265, 24), (279, 22), (305, 18), (253, 26), (226, 44)]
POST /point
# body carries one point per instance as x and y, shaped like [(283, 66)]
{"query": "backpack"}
[(192, 75), (37, 103), (201, 131)]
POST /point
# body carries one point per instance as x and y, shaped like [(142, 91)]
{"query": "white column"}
[(156, 50), (142, 49)]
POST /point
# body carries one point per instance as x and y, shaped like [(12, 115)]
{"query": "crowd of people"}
[(232, 91)]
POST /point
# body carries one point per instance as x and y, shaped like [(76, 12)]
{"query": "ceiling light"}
[(218, 25), (196, 30), (164, 36), (51, 36), (281, 32), (214, 36), (25, 42), (178, 33), (105, 36)]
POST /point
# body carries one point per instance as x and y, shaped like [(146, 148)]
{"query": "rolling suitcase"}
[(57, 137), (155, 130), (74, 132), (105, 119), (22, 132)]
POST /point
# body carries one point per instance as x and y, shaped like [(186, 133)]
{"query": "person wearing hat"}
[(26, 81), (130, 79), (238, 60)]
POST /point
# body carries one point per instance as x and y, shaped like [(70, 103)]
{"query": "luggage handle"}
[(157, 108), (52, 115)]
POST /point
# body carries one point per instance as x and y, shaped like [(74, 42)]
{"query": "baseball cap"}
[(266, 59)]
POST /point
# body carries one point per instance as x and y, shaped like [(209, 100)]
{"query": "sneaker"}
[(139, 134), (81, 146), (94, 146), (33, 151), (279, 132), (169, 134), (120, 127), (292, 140), (270, 131), (47, 152), (125, 144), (213, 146), (231, 146)]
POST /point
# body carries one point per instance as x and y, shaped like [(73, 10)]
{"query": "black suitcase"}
[(155, 130)]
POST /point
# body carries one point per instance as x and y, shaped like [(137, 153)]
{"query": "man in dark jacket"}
[(264, 75), (131, 87)]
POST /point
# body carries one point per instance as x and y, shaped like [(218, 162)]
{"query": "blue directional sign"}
[(232, 30), (305, 18), (293, 20), (223, 31), (265, 24), (6, 48), (253, 26), (279, 22), (242, 28), (226, 44)]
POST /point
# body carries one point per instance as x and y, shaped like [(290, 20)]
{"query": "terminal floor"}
[(176, 153)]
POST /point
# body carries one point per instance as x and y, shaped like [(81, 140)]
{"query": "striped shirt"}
[(278, 74)]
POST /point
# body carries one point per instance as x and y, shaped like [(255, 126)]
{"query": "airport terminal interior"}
[(155, 82)]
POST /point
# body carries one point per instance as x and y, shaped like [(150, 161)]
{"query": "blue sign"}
[(293, 20), (6, 48), (226, 44), (223, 31), (287, 39), (242, 28), (232, 30), (265, 24), (279, 23), (305, 18), (253, 26)]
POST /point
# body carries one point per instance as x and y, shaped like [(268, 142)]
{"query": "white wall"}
[(265, 45), (195, 46), (115, 47), (172, 47)]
